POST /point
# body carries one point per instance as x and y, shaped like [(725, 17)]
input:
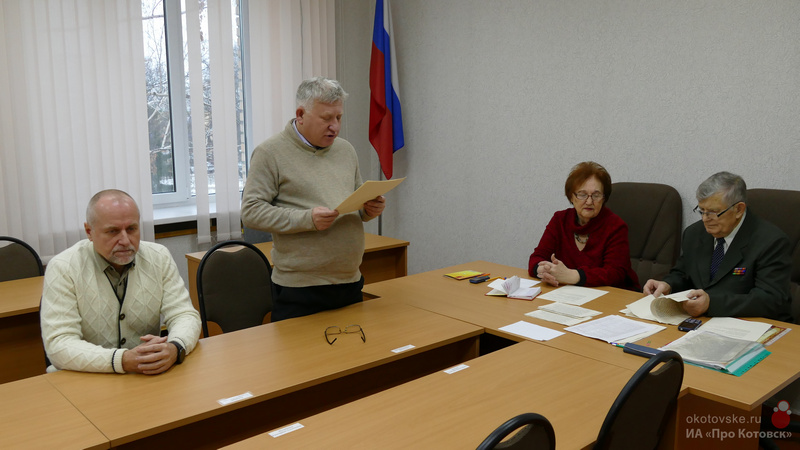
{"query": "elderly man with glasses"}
[(736, 264)]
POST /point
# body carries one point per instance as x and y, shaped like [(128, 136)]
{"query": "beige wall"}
[(501, 98)]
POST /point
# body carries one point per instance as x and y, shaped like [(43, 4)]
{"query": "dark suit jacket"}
[(760, 248)]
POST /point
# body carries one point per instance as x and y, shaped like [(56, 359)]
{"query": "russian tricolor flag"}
[(385, 117)]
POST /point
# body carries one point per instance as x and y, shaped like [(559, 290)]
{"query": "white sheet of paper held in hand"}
[(368, 191)]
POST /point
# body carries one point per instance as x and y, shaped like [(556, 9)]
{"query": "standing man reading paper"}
[(295, 177), (104, 298), (737, 264)]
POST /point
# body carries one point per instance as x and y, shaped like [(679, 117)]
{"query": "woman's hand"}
[(556, 272)]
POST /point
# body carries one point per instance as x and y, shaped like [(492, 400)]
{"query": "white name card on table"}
[(531, 331), (402, 349), (284, 430), (229, 400), (455, 369)]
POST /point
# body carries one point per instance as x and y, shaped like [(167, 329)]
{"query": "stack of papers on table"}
[(616, 329), (515, 287), (563, 313), (665, 309), (573, 295), (726, 354), (736, 328)]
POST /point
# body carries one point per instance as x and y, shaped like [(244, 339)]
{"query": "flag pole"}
[(380, 218)]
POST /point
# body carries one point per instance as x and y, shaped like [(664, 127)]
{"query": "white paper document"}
[(515, 287), (563, 313), (573, 295), (556, 318), (368, 191), (531, 331), (613, 328), (665, 309), (639, 336), (736, 328), (570, 310)]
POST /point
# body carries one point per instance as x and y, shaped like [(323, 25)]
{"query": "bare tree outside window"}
[(165, 168), (162, 168)]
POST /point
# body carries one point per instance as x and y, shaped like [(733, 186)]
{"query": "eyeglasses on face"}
[(596, 196), (712, 214), (350, 329)]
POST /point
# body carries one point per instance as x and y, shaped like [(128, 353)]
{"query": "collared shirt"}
[(303, 138), (732, 234), (118, 281)]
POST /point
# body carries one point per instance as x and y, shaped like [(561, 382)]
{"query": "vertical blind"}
[(73, 118), (73, 115)]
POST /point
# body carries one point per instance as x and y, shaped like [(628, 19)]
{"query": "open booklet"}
[(515, 287), (715, 351), (664, 309)]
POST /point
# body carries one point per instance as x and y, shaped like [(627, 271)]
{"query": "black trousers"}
[(303, 301)]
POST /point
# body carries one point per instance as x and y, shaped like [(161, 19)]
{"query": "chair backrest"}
[(18, 260), (254, 236), (234, 286), (654, 214), (536, 433), (641, 411), (782, 208)]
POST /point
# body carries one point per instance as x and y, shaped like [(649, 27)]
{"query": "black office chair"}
[(654, 215), (536, 433), (780, 207), (18, 260), (642, 410), (234, 287)]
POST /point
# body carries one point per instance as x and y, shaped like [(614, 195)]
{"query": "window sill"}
[(169, 214)]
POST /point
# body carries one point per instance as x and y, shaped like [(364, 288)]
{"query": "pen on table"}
[(496, 278), (617, 345)]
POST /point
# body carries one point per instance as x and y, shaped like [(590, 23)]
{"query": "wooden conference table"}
[(384, 258), (280, 372), (458, 410), (21, 349), (36, 415), (704, 391)]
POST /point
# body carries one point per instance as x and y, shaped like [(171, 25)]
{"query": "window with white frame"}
[(173, 153)]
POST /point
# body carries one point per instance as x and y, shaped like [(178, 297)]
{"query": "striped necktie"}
[(716, 257)]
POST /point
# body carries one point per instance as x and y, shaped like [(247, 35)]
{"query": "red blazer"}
[(604, 261)]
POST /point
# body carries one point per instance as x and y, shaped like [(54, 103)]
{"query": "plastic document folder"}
[(717, 352)]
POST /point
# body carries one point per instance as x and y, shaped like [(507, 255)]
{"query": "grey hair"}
[(91, 215), (319, 89), (731, 186)]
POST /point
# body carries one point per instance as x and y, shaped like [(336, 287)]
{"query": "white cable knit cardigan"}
[(83, 325)]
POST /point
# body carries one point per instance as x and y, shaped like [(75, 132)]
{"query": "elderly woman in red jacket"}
[(586, 245)]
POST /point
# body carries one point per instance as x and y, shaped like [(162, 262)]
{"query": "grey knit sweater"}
[(287, 179)]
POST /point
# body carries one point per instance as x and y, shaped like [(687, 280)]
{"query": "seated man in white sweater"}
[(104, 298)]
